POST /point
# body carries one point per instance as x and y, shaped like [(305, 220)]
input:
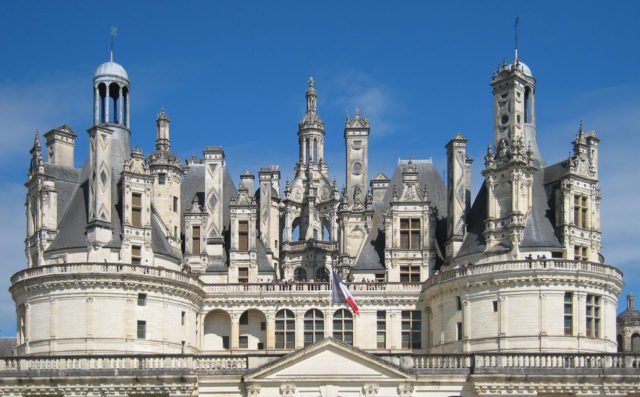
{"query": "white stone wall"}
[(100, 317), (529, 312)]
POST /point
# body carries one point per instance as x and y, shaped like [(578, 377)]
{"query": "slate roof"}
[(372, 254), (6, 346), (193, 187), (539, 231), (264, 264)]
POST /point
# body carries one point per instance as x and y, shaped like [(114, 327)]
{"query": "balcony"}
[(300, 246), (529, 266), (480, 363), (213, 290)]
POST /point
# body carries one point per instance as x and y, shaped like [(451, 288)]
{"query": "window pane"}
[(136, 199), (404, 239), (415, 240), (404, 224)]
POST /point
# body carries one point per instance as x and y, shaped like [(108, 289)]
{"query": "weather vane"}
[(114, 33), (515, 26)]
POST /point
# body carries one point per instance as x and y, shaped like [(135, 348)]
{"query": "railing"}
[(221, 288), (208, 363), (295, 246), (524, 265), (280, 287), (556, 360), (102, 268)]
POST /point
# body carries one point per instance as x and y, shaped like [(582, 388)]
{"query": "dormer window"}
[(136, 210), (410, 234), (195, 240), (243, 236), (580, 211)]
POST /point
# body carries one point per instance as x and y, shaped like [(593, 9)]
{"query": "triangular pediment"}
[(329, 360)]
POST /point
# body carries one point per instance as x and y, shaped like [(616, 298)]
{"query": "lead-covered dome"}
[(111, 69)]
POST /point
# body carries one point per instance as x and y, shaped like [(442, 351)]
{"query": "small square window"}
[(142, 299), (142, 329), (263, 326), (162, 178), (244, 342)]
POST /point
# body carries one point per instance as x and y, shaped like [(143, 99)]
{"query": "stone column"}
[(120, 106), (27, 328), (127, 108), (580, 301), (466, 321), (328, 323), (543, 318), (106, 104), (235, 331), (299, 328), (395, 329), (271, 331), (96, 106)]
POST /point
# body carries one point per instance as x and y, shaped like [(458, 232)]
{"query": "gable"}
[(326, 360)]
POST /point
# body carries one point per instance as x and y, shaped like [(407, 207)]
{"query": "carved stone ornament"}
[(370, 389), (253, 390), (405, 389), (288, 389)]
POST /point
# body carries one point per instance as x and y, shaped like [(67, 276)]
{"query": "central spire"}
[(312, 96), (114, 33)]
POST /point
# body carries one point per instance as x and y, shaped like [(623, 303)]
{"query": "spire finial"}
[(515, 26), (581, 130), (630, 298), (311, 96), (114, 33)]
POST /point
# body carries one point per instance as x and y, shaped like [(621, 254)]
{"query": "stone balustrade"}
[(209, 289), (300, 246), (224, 363), (533, 265)]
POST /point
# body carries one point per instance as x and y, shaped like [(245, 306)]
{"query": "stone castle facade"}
[(147, 275)]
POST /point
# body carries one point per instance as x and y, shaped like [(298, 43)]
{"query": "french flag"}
[(341, 294)]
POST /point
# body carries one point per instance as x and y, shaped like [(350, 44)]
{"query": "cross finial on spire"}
[(311, 81), (114, 33), (515, 26)]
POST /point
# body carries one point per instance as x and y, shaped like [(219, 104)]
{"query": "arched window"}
[(114, 95), (343, 326), (313, 326), (102, 92), (300, 274), (527, 105), (285, 329), (315, 150), (635, 343), (619, 340), (326, 233), (322, 275)]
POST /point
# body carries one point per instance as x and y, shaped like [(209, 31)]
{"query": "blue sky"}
[(234, 74)]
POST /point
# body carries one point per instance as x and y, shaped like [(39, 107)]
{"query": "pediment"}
[(329, 360)]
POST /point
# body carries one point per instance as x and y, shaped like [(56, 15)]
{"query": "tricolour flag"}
[(341, 294)]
